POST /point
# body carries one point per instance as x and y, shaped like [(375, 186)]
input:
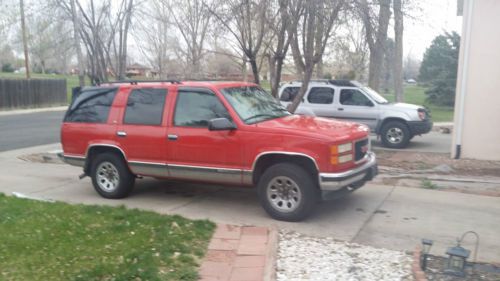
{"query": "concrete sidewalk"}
[(377, 215)]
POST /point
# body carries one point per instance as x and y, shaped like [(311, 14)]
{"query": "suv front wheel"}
[(111, 177), (287, 192), (395, 134)]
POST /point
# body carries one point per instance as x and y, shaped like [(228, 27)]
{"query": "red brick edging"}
[(418, 273), (240, 253)]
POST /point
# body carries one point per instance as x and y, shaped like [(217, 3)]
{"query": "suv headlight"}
[(341, 148), (341, 153)]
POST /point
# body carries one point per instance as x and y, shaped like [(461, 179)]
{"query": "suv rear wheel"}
[(395, 134), (111, 177), (287, 192)]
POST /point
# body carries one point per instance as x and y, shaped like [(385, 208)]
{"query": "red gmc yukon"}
[(230, 133)]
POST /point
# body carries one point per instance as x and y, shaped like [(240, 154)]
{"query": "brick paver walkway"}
[(238, 254)]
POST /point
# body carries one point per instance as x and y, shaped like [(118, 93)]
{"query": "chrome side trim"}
[(336, 181), (247, 177), (148, 168), (213, 174), (74, 160), (283, 153)]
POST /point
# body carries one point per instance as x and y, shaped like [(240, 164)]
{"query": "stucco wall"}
[(481, 109)]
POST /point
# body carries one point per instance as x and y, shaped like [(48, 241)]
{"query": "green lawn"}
[(58, 241), (416, 94)]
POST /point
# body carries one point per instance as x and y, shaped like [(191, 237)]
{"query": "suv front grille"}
[(360, 149)]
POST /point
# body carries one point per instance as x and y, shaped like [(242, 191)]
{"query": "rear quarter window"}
[(91, 106)]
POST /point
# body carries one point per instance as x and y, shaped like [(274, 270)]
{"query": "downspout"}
[(463, 84)]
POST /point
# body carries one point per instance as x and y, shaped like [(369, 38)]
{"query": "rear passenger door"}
[(142, 131)]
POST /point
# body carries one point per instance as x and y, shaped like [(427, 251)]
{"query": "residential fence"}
[(32, 93)]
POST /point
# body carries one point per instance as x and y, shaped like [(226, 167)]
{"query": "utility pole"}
[(25, 41)]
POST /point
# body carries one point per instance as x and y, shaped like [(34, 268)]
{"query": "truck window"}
[(354, 97), (195, 109), (321, 95), (145, 107), (91, 106), (289, 93)]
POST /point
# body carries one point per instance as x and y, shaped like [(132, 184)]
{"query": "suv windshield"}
[(374, 95), (253, 104)]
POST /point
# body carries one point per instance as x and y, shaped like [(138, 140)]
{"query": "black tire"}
[(395, 134), (105, 183), (302, 192)]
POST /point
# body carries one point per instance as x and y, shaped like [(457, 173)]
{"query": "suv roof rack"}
[(135, 82), (336, 82)]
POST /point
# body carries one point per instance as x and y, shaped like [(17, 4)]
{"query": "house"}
[(477, 104), (137, 69)]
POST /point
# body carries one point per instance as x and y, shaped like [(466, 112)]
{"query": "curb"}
[(33, 110), (417, 272), (240, 253)]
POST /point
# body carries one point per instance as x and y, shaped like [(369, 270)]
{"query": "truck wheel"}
[(395, 134), (111, 177), (287, 192)]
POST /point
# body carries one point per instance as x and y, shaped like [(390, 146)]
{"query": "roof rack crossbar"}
[(135, 82)]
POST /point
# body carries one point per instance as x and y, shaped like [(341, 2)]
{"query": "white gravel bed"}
[(303, 257)]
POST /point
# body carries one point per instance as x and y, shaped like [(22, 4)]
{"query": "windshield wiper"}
[(259, 115)]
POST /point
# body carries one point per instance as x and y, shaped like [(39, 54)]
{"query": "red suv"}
[(230, 133)]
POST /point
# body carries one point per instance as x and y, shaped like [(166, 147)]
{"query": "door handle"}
[(172, 137), (340, 109), (121, 134)]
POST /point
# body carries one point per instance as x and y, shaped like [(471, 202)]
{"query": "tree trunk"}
[(377, 49), (76, 42), (303, 89), (255, 70), (398, 51), (25, 41)]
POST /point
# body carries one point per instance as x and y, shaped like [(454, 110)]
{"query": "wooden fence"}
[(32, 93)]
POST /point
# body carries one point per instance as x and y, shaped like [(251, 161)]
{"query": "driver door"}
[(355, 106), (193, 151)]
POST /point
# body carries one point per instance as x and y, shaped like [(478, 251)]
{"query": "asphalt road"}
[(29, 129), (434, 142)]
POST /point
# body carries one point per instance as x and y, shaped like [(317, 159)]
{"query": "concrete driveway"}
[(382, 216)]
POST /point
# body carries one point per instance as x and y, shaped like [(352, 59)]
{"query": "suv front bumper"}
[(420, 127), (331, 182)]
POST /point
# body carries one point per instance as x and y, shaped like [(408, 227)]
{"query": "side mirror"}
[(221, 124)]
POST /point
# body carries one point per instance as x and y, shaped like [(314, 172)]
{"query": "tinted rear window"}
[(145, 106), (91, 106)]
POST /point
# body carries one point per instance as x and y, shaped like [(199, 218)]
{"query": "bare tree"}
[(279, 42), (76, 41), (151, 29), (192, 18), (376, 25), (316, 21), (246, 21), (398, 51), (25, 40), (123, 23)]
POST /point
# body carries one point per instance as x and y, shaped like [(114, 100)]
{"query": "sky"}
[(434, 18)]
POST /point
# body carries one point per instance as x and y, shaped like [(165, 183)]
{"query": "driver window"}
[(354, 97), (195, 109)]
